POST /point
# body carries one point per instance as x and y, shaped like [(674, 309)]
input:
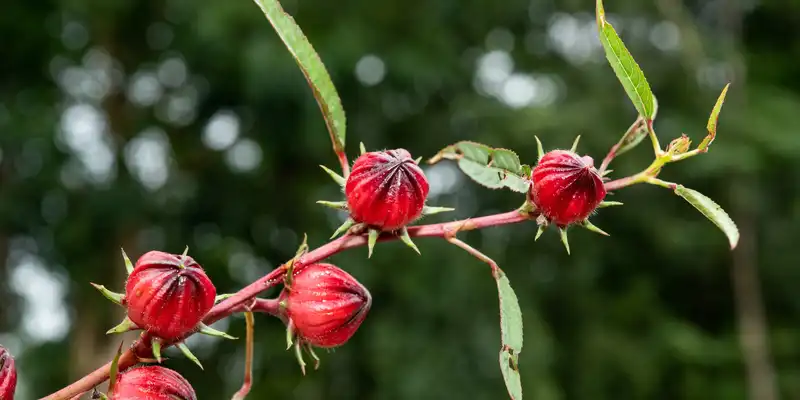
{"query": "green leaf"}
[(511, 334), (712, 119), (313, 69), (712, 211), (113, 372), (507, 160), (493, 168), (635, 134), (626, 68)]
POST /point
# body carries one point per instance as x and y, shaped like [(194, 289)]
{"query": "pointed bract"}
[(207, 330), (188, 353), (298, 353), (155, 344), (371, 240), (336, 177), (539, 148), (407, 240), (128, 263), (564, 239), (539, 232), (124, 326), (428, 210), (343, 227), (604, 204), (590, 226), (115, 297), (575, 143), (362, 148), (336, 205)]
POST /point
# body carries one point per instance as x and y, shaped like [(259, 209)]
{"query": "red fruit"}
[(168, 294), (566, 187), (386, 189), (325, 305), (8, 375), (152, 383)]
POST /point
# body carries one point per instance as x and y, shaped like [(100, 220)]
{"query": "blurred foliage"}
[(161, 123)]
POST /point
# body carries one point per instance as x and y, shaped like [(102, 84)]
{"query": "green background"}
[(156, 124)]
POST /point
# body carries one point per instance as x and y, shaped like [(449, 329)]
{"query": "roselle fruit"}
[(8, 375), (152, 383), (324, 305), (168, 294), (386, 189), (566, 187)]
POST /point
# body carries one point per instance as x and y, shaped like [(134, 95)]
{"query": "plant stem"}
[(236, 303), (342, 156), (248, 358)]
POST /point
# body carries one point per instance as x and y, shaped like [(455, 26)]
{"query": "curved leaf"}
[(625, 67), (511, 334), (492, 168), (712, 119), (314, 70), (712, 211)]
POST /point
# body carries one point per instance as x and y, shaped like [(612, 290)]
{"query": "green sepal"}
[(343, 227), (223, 297), (336, 177), (155, 344), (604, 204), (124, 326), (428, 210), (539, 232), (117, 298), (539, 148), (298, 353), (362, 148), (188, 353), (564, 239), (289, 335), (113, 372), (207, 330), (310, 349), (592, 227), (407, 240), (371, 240), (336, 205), (575, 144), (128, 263), (417, 160)]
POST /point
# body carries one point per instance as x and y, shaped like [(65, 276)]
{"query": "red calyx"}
[(566, 187), (8, 375), (168, 294), (325, 305), (152, 383), (386, 189)]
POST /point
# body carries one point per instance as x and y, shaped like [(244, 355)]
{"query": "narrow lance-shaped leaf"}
[(712, 211), (625, 67), (312, 67), (511, 334), (712, 119)]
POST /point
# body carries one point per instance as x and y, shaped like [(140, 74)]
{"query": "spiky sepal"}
[(115, 297), (128, 263), (592, 227), (155, 345), (207, 330), (428, 210), (404, 236), (343, 227), (563, 232), (604, 204), (188, 353), (124, 326), (336, 177), (336, 205), (372, 238)]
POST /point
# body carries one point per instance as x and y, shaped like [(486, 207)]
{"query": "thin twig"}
[(248, 358)]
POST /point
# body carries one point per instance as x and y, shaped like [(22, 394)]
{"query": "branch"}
[(248, 359), (236, 303)]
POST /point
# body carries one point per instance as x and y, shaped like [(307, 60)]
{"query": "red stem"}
[(344, 163), (236, 303)]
